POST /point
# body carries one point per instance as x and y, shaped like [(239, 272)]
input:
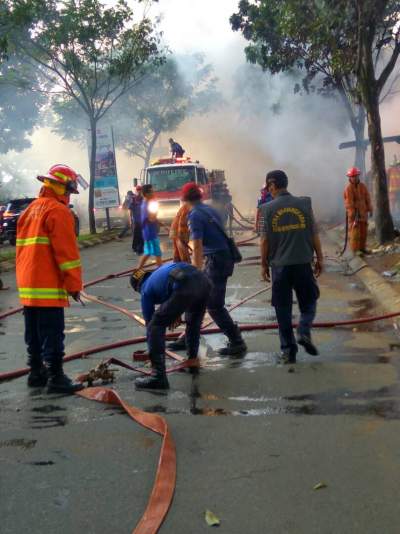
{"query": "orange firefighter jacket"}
[(48, 264), (357, 202)]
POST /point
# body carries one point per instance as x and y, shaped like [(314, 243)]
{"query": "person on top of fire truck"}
[(176, 149), (358, 205), (48, 269)]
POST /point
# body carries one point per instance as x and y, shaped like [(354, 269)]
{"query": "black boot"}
[(235, 346), (38, 376), (309, 347), (59, 382), (178, 344), (288, 357), (158, 378)]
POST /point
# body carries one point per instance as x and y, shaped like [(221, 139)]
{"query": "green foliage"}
[(168, 94), (90, 53), (19, 109)]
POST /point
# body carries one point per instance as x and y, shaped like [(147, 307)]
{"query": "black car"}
[(8, 227)]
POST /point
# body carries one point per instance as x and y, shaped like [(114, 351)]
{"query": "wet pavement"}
[(253, 437)]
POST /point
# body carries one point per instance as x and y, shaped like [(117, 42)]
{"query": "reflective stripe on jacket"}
[(48, 264)]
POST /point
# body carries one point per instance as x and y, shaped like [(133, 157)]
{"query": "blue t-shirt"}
[(202, 226), (158, 287), (149, 228)]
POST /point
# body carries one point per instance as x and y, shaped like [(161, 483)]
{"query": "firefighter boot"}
[(37, 377), (235, 346), (59, 382), (178, 344), (158, 378)]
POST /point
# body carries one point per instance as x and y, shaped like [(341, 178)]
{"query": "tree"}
[(19, 109), (378, 29), (182, 87), (91, 55), (323, 37)]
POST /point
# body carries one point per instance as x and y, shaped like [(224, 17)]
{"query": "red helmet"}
[(62, 174), (191, 191), (353, 172)]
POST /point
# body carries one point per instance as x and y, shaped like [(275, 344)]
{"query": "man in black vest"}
[(289, 237)]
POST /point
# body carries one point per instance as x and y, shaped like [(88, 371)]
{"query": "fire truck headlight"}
[(153, 207)]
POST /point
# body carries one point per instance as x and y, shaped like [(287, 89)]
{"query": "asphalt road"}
[(252, 438)]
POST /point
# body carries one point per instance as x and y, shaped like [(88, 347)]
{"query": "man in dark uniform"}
[(176, 150), (289, 237), (210, 247), (178, 288)]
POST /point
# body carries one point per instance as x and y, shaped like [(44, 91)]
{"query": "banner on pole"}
[(106, 191)]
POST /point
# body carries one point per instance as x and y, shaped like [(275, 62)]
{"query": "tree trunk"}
[(150, 149), (359, 132), (93, 147), (383, 219)]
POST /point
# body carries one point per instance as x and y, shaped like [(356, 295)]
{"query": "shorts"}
[(152, 248)]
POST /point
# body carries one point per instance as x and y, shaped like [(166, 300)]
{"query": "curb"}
[(383, 292)]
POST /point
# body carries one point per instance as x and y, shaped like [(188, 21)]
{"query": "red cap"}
[(191, 191), (352, 172)]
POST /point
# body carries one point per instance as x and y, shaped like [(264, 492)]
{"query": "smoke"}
[(261, 125)]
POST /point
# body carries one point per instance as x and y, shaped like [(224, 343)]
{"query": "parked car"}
[(10, 217), (8, 227)]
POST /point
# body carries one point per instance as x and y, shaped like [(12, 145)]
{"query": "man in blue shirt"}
[(176, 150), (210, 247), (178, 288)]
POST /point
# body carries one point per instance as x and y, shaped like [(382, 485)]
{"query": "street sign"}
[(106, 191)]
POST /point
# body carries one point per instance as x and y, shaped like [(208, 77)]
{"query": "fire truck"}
[(169, 175)]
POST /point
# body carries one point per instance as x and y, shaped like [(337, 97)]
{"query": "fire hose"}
[(164, 485)]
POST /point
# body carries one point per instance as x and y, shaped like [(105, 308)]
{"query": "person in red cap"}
[(211, 252), (358, 206), (48, 269)]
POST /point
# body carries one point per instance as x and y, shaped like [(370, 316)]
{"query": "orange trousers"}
[(358, 236)]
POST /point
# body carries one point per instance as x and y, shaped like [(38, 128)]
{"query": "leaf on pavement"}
[(211, 519), (320, 485)]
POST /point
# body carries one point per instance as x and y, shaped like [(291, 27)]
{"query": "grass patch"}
[(6, 256)]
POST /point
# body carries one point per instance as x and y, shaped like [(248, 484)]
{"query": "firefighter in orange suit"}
[(48, 269), (358, 206)]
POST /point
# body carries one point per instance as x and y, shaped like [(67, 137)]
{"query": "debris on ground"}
[(100, 372), (211, 519), (320, 485)]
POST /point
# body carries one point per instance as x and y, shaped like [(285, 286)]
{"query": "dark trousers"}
[(44, 335), (126, 228), (137, 239), (190, 297), (218, 268), (299, 278)]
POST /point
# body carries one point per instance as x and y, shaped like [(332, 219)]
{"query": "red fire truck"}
[(169, 175)]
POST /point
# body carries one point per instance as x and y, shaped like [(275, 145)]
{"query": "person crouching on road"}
[(289, 237), (178, 288), (48, 269), (358, 205), (149, 227), (210, 246)]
